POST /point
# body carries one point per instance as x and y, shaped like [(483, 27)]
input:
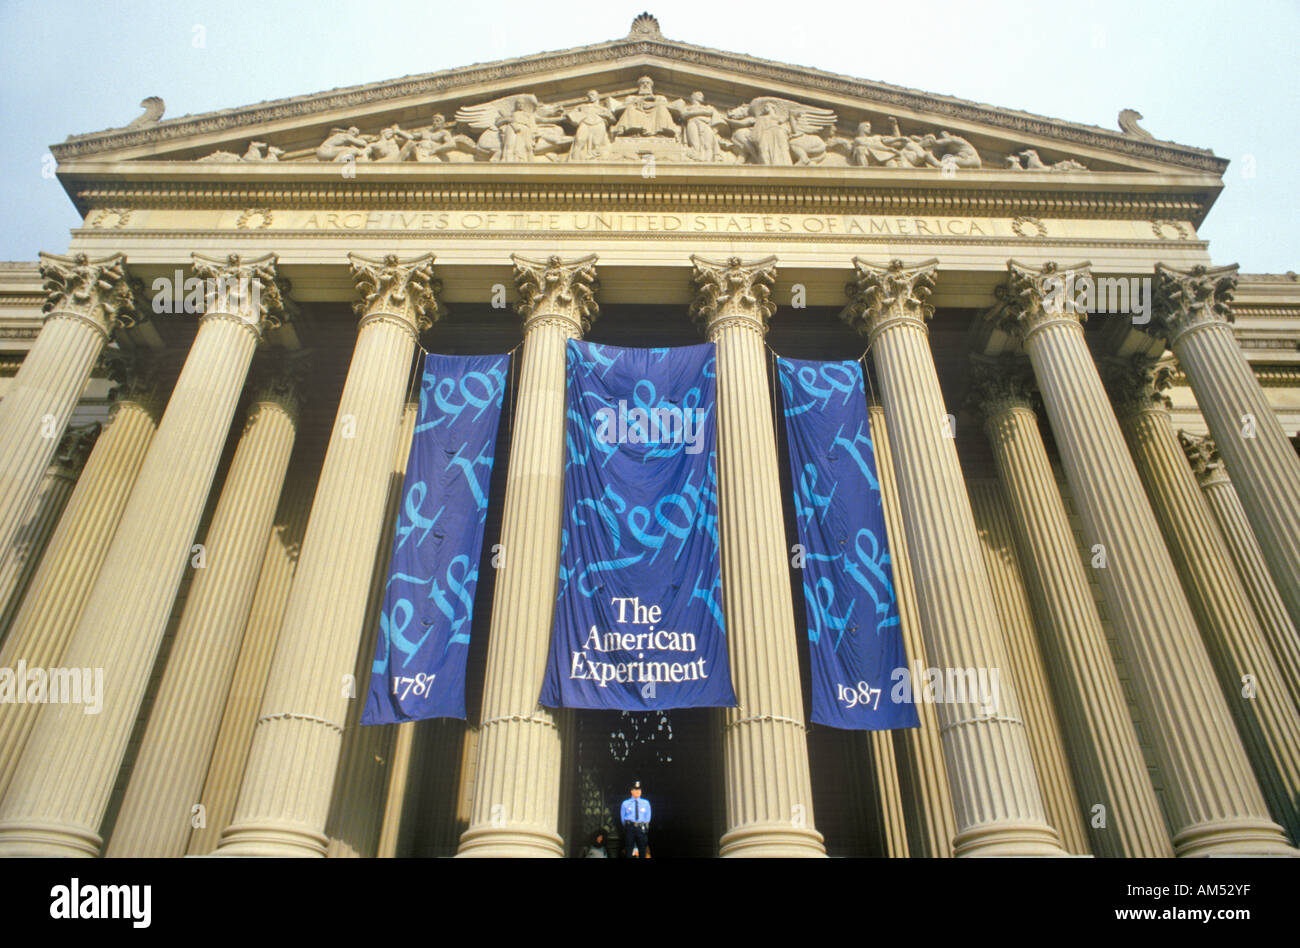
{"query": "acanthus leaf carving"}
[(96, 292)]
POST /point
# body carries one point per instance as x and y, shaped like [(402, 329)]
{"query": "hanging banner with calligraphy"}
[(638, 618), (855, 639), (419, 668)]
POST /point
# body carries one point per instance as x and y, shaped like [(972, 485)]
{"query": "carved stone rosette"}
[(563, 291), (95, 292), (246, 291), (885, 295), (402, 292), (733, 292), (1187, 299)]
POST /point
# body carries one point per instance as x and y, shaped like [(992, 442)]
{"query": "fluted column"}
[(357, 805), (1211, 797), (923, 775), (282, 810), (996, 800), (517, 793), (74, 554), (166, 781), (86, 302), (1104, 753), (1026, 665), (1234, 528), (1253, 686), (893, 814), (1192, 308), (62, 787), (51, 497), (275, 577), (765, 741)]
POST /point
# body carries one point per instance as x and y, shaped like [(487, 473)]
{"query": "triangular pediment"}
[(700, 107)]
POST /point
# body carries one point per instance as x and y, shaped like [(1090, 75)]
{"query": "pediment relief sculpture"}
[(767, 130)]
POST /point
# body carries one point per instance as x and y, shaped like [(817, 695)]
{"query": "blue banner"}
[(854, 636), (638, 618), (419, 669)]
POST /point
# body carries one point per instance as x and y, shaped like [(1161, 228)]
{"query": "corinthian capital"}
[(1187, 299), (1203, 456), (244, 290), (74, 447), (401, 292), (133, 373), (95, 292), (733, 293), (277, 376), (1138, 383), (999, 385), (1037, 297), (562, 291), (888, 295)]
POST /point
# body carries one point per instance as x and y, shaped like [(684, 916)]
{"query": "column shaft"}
[(1107, 761), (225, 770), (769, 787), (74, 554), (356, 808), (86, 303), (30, 542), (285, 796), (1211, 799), (1256, 696), (1027, 669), (61, 790), (996, 799), (517, 793), (1235, 530), (923, 776), (1192, 307), (166, 781)]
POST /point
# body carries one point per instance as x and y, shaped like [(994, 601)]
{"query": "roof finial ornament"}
[(1128, 123), (153, 111), (645, 26)]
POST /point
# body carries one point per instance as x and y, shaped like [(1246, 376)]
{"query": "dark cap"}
[(636, 784)]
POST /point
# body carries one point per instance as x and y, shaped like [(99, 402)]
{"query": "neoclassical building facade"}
[(1085, 430)]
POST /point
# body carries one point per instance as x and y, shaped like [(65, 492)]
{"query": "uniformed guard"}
[(635, 814)]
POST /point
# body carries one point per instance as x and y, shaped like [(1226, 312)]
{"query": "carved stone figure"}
[(256, 151), (773, 131), (702, 123), (946, 148), (645, 113), (436, 142), (342, 145), (516, 127), (1028, 160), (591, 122), (869, 149), (387, 146)]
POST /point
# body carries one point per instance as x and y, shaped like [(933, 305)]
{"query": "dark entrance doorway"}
[(673, 754)]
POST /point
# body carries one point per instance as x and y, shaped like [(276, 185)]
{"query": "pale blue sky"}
[(1219, 75)]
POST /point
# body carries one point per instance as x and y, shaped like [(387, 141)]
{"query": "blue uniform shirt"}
[(636, 811)]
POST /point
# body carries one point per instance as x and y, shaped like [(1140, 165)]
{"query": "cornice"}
[(648, 50), (734, 195)]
